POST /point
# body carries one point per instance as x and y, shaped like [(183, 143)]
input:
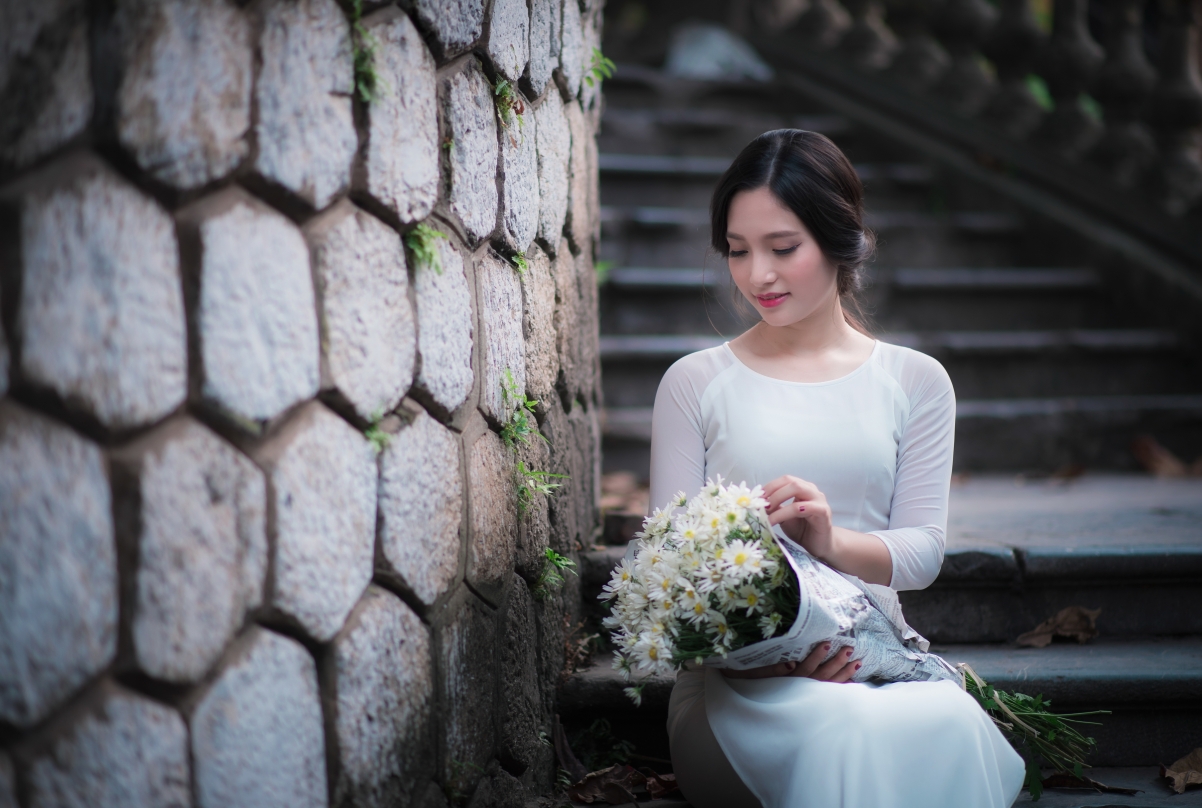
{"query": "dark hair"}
[(814, 179)]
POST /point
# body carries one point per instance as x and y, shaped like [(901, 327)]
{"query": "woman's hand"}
[(806, 519), (839, 668)]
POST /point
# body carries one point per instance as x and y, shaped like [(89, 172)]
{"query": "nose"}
[(762, 271)]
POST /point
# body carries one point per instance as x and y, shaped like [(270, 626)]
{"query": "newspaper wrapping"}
[(846, 612)]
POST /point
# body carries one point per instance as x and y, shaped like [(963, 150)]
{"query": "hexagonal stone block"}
[(468, 690), (509, 37), (58, 565), (455, 25), (492, 505), (183, 107), (322, 476), (521, 710), (125, 750), (582, 181), (503, 359), (471, 120), (590, 95), (193, 512), (400, 165), (305, 130), (383, 681), (369, 336), (554, 144), (421, 508), (101, 308), (444, 329), (534, 522), (257, 735), (546, 20), (585, 490), (571, 57), (8, 783), (519, 182), (44, 75), (538, 325), (255, 319), (567, 322)]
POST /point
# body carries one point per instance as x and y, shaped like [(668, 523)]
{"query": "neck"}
[(825, 328)]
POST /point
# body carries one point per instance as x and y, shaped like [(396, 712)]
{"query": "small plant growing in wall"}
[(421, 240), (520, 424), (510, 106), (368, 84), (531, 482), (520, 263), (376, 436), (600, 67), (551, 576)]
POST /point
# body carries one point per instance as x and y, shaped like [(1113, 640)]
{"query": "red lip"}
[(771, 301)]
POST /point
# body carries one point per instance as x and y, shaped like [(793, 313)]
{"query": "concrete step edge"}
[(985, 279), (972, 221)]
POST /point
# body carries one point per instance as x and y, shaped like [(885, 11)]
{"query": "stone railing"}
[(265, 271), (1099, 101)]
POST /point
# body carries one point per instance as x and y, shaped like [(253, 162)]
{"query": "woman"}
[(852, 440)]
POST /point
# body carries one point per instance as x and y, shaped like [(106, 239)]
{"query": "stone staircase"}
[(1056, 366)]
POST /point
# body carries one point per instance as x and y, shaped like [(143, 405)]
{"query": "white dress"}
[(878, 443)]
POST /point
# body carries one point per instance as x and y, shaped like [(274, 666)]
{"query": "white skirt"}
[(798, 743)]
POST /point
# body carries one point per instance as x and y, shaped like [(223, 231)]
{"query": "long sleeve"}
[(918, 514)]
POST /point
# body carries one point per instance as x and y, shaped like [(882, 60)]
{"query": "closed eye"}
[(787, 250), (737, 253)]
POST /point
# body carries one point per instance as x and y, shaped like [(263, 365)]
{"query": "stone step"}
[(633, 122), (1153, 688), (977, 222), (674, 346), (668, 166), (987, 280), (1018, 552)]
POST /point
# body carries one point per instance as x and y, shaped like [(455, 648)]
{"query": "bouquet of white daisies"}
[(712, 584)]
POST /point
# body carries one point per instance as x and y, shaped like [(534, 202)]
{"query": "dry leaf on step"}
[(1071, 623), (614, 786), (1185, 772), (1157, 459)]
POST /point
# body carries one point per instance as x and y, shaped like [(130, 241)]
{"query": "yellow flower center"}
[(653, 653), (740, 559)]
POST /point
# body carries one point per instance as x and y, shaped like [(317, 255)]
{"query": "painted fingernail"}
[(826, 647), (801, 507), (857, 666), (847, 651)]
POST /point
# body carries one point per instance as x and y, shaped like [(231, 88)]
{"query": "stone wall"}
[(260, 536)]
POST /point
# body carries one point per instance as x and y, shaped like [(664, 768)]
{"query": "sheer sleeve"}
[(918, 513)]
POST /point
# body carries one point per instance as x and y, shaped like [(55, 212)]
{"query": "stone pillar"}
[(265, 537)]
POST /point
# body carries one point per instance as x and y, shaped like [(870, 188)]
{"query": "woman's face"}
[(775, 261)]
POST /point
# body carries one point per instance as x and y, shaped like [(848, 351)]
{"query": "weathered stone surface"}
[(492, 497), (585, 490), (554, 141), (534, 522), (305, 131), (590, 95), (471, 119), (127, 751), (257, 731), (571, 57), (8, 783), (45, 89), (567, 319), (468, 649), (588, 364), (401, 158), (499, 789), (421, 507), (323, 495), (546, 19), (101, 318), (444, 329), (581, 178), (565, 527), (538, 326), (383, 675), (521, 717), (509, 37), (519, 176), (255, 317), (193, 510), (183, 107), (455, 24), (58, 565), (503, 359), (369, 338)]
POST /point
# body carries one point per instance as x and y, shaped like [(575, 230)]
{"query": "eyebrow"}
[(777, 234)]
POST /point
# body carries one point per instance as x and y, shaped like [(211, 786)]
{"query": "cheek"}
[(808, 271)]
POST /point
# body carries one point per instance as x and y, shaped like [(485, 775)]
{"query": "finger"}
[(845, 673), (810, 664), (827, 669), (799, 490)]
